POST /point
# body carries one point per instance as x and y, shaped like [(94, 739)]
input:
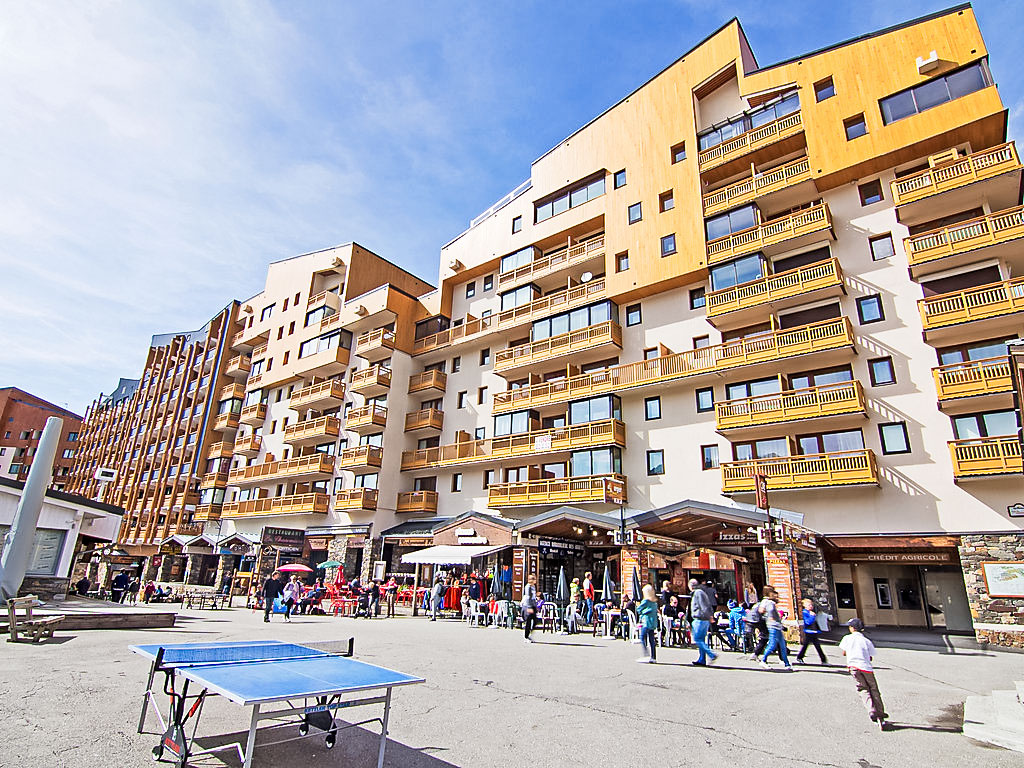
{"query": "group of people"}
[(298, 598)]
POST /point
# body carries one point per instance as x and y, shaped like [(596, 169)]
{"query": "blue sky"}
[(156, 156)]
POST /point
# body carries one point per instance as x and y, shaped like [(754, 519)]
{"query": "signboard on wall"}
[(317, 542), (906, 558), (780, 575), (560, 547), (284, 539)]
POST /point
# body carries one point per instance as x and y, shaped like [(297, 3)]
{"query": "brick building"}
[(22, 418)]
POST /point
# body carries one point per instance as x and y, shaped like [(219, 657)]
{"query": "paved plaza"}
[(491, 700)]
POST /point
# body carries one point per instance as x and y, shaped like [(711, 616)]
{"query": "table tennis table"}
[(280, 681)]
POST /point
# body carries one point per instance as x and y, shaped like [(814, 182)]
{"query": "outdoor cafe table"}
[(609, 614)]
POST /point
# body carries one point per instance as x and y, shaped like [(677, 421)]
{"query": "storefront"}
[(277, 547), (349, 545), (406, 537)]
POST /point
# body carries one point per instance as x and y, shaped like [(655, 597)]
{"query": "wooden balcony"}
[(366, 419), (594, 340), (329, 362), (351, 499), (226, 422), (249, 446), (232, 392), (417, 501), (361, 458), (995, 303), (260, 350), (972, 379), (313, 431), (296, 504), (784, 178), (254, 414), (324, 298), (604, 489), (318, 397), (526, 445), (581, 253), (375, 345), (188, 529), (372, 381), (225, 449), (239, 366), (985, 457), (784, 289), (207, 512), (753, 141), (247, 338), (214, 480), (318, 466), (426, 419), (783, 233), (818, 470), (838, 399), (834, 337), (996, 236), (427, 381)]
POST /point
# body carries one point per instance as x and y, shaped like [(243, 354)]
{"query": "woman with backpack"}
[(776, 629)]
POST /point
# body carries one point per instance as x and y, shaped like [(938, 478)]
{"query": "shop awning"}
[(449, 554)]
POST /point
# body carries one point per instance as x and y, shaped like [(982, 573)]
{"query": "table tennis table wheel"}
[(158, 752), (329, 741), (303, 729)]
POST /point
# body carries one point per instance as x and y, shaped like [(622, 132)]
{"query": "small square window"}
[(488, 478), (705, 399), (824, 89), (666, 202), (881, 246), (485, 356), (655, 462), (633, 315), (456, 364), (679, 152), (622, 261), (871, 192), (894, 437), (620, 178), (668, 245), (855, 126), (869, 309), (634, 213), (462, 399), (699, 342), (481, 433), (697, 298), (481, 395), (488, 282), (881, 371), (709, 457), (517, 224), (651, 353), (457, 482), (471, 289), (652, 408)]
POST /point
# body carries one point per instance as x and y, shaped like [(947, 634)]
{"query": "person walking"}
[(811, 632), (588, 597), (860, 652), (435, 598), (290, 594), (374, 599), (776, 629), (647, 611), (118, 587), (147, 592), (701, 611), (529, 606), (390, 595), (272, 590), (133, 591)]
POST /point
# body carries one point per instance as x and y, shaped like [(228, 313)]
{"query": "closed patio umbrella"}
[(561, 594), (608, 588), (636, 584)]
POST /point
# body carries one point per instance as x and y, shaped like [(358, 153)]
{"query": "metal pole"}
[(18, 544)]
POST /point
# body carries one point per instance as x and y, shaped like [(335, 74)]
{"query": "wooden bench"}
[(33, 628)]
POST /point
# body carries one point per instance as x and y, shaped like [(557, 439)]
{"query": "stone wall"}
[(814, 579), (44, 587), (990, 612)]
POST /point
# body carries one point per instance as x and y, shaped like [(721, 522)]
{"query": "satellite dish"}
[(586, 277)]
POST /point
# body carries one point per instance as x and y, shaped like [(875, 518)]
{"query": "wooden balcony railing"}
[(794, 282), (380, 338), (222, 449), (965, 236), (417, 501), (427, 418), (325, 426), (249, 445), (806, 221), (793, 405), (225, 421), (545, 265), (205, 512), (325, 393), (608, 332), (752, 140), (304, 466), (297, 504), (986, 456), (982, 302), (946, 176), (239, 364), (231, 391), (753, 187), (374, 375), (259, 351), (989, 376), (356, 498), (367, 415), (565, 490), (254, 414), (810, 471), (748, 350), (214, 480), (419, 382), (360, 456)]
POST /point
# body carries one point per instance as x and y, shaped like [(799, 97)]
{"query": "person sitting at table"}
[(628, 609), (720, 628)]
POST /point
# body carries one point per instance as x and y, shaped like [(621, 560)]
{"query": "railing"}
[(985, 301), (206, 512), (380, 337), (361, 456), (366, 415), (965, 236), (592, 488), (988, 376), (427, 418), (825, 400), (750, 141), (254, 412), (226, 421), (546, 264), (509, 318), (811, 471), (417, 501), (428, 380), (259, 351), (748, 350), (217, 450), (319, 463), (757, 185), (356, 498), (231, 391), (320, 298), (802, 222), (565, 343), (239, 364), (250, 444), (297, 504), (986, 456), (214, 479), (325, 426), (334, 389), (375, 374), (942, 178), (823, 274)]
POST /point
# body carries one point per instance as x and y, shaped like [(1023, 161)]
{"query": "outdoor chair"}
[(477, 614), (548, 617), (634, 627), (571, 619)]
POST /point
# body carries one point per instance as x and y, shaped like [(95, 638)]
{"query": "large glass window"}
[(318, 314), (979, 350), (600, 461), (563, 201), (595, 409), (784, 105), (518, 259), (513, 423), (772, 448), (517, 297), (733, 221), (742, 270), (574, 320), (991, 424), (326, 342), (743, 389), (831, 442), (935, 92), (820, 378)]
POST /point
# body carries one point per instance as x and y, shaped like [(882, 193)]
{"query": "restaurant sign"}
[(417, 542), (565, 547), (317, 542), (285, 539), (653, 540)]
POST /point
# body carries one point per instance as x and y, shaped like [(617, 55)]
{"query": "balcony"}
[(582, 253), (990, 378), (428, 381), (585, 345), (254, 414), (990, 308), (758, 142), (207, 512), (226, 422), (214, 480), (231, 392), (829, 339), (221, 450), (328, 362), (297, 504), (526, 445), (260, 350), (603, 489), (426, 419), (351, 499), (318, 397), (249, 446), (361, 458), (817, 470), (371, 382), (794, 179), (375, 345), (417, 501), (313, 432), (324, 298), (239, 366), (985, 457), (955, 183), (995, 236), (366, 419), (745, 303), (827, 400), (318, 466), (188, 529), (247, 338), (783, 233)]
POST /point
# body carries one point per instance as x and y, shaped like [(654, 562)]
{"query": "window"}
[(709, 457), (573, 320), (488, 478), (481, 395), (489, 282), (72, 437), (819, 378), (668, 245), (456, 364), (318, 314), (457, 482), (600, 461), (786, 104), (697, 298), (69, 453), (471, 289), (634, 213), (485, 356), (824, 89), (881, 371), (267, 312), (462, 399), (633, 315), (480, 433), (871, 192), (979, 350), (512, 423), (652, 408), (727, 223), (517, 224), (666, 202), (518, 297), (705, 399), (679, 152), (881, 246), (855, 126), (520, 258), (831, 442), (14, 469), (934, 92), (563, 201), (869, 309), (595, 409), (651, 353), (699, 342), (894, 437), (656, 462), (991, 424), (622, 261), (620, 179)]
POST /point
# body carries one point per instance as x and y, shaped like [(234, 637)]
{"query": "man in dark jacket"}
[(272, 589), (118, 587), (701, 609)]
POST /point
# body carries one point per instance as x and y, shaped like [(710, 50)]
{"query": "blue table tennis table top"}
[(261, 671)]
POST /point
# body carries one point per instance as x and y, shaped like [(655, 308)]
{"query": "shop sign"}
[(235, 549), (739, 537), (122, 560), (424, 542), (317, 542), (653, 540), (170, 548), (465, 532), (1015, 510), (780, 576), (907, 558), (549, 546), (472, 540), (284, 538), (156, 560)]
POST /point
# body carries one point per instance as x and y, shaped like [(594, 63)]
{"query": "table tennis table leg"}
[(250, 745), (146, 696), (384, 730)]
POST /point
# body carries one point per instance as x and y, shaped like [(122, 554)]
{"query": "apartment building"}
[(22, 418)]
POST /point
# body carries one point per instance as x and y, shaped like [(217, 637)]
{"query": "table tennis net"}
[(238, 653)]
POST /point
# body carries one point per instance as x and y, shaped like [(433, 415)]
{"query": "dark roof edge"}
[(73, 498)]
